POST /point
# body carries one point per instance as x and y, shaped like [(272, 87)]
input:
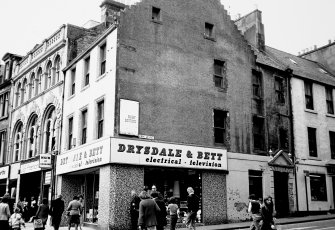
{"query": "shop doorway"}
[(281, 193), (174, 183), (30, 186)]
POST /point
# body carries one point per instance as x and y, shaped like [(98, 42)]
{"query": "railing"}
[(46, 45)]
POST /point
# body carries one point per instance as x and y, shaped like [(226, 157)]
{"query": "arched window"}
[(31, 85), (57, 70), (17, 140), (49, 131), (31, 137), (38, 81), (48, 76), (18, 95), (23, 91)]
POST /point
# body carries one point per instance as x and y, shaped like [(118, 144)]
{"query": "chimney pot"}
[(315, 47), (329, 41)]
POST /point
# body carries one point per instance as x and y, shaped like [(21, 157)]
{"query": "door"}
[(281, 194)]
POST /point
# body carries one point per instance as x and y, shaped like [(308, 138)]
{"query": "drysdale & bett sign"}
[(126, 151)]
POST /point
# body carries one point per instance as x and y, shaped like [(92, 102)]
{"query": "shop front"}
[(4, 173), (107, 170)]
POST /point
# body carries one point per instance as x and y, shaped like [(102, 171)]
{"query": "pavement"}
[(239, 225)]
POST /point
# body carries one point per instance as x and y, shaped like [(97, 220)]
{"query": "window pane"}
[(318, 187), (312, 142), (332, 144)]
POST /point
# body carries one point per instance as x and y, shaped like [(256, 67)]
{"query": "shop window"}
[(156, 14), (318, 187), (329, 100), (102, 59), (279, 90), (309, 95), (84, 126), (70, 133), (220, 130), (73, 82), (100, 115), (91, 197), (332, 144), (256, 183), (219, 73), (87, 71), (258, 133), (312, 142)]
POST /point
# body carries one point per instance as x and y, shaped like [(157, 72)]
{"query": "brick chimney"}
[(110, 11), (252, 28)]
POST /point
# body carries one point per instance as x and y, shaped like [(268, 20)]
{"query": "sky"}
[(290, 25)]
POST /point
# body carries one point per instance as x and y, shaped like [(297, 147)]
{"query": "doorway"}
[(281, 193)]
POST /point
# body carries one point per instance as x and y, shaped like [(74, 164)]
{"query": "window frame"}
[(279, 90), (73, 72), (318, 181), (257, 176), (219, 75), (209, 31), (332, 144), (83, 126), (258, 136), (329, 100), (220, 126), (70, 132), (102, 58), (87, 61), (100, 118), (312, 142), (156, 14), (309, 103)]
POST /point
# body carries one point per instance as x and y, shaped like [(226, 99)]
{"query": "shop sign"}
[(47, 177), (14, 171), (45, 161), (30, 167), (282, 169), (129, 113), (4, 171), (167, 155), (83, 157)]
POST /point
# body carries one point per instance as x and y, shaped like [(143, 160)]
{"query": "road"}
[(315, 225)]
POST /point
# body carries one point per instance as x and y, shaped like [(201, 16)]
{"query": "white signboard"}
[(14, 171), (33, 166), (83, 157), (45, 161), (129, 113), (4, 171), (167, 155), (47, 177)]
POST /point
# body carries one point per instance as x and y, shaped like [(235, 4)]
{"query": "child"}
[(15, 221), (173, 208)]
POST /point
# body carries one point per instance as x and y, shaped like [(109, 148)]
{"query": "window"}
[(17, 142), (220, 130), (18, 95), (84, 126), (23, 90), (329, 100), (102, 59), (283, 138), (48, 76), (49, 130), (31, 85), (256, 183), (309, 95), (312, 142), (156, 14), (219, 71), (3, 143), (4, 104), (38, 81), (73, 82), (32, 135), (57, 70), (87, 71), (258, 133), (257, 85), (100, 114), (332, 144), (318, 187), (209, 30), (279, 90), (6, 71), (70, 132)]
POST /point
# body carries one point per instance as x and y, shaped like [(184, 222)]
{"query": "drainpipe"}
[(289, 75)]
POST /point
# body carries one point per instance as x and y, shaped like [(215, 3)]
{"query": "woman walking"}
[(267, 214), (4, 213), (148, 211), (43, 212)]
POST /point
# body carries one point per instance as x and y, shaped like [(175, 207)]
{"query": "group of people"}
[(262, 213), (148, 210)]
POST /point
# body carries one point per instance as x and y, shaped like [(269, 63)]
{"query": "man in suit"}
[(57, 209)]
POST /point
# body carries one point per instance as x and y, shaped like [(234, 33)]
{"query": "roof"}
[(301, 67), (2, 68)]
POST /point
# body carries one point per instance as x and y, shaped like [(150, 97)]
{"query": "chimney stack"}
[(110, 11)]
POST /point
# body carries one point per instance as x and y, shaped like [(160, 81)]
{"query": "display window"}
[(91, 197), (174, 183)]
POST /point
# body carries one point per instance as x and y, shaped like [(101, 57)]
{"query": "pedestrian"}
[(57, 209), (148, 210), (25, 212), (16, 220), (134, 209), (173, 209), (74, 209), (4, 213), (33, 208), (161, 215), (254, 208), (267, 214), (43, 212), (192, 208), (81, 200)]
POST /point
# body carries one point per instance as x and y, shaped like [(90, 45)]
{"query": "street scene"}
[(164, 114)]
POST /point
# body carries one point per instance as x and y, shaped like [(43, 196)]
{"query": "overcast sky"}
[(290, 25)]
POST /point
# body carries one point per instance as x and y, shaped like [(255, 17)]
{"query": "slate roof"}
[(301, 67)]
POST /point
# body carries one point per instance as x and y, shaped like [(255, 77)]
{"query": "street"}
[(315, 225)]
